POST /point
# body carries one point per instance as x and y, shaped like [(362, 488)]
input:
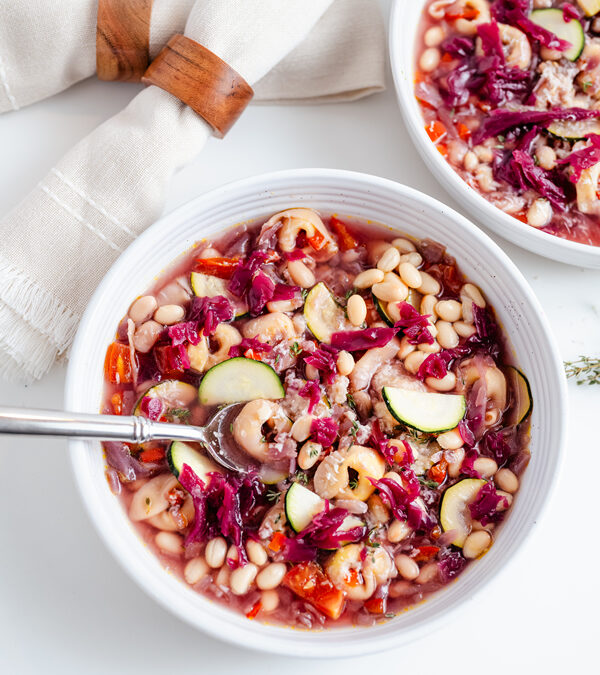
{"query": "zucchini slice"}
[(173, 394), (324, 316), (454, 509), (574, 131), (301, 506), (237, 380), (380, 307), (521, 390), (571, 31), (207, 286), (180, 453), (423, 410), (270, 476)]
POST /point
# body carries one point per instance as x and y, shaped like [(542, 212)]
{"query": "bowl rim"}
[(322, 644), (511, 229)]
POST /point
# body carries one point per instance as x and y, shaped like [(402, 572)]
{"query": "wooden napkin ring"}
[(123, 39), (202, 80)]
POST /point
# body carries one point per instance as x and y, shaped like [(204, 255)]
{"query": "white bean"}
[(450, 440), (413, 361), (241, 578), (169, 314), (146, 335), (169, 542), (389, 259), (406, 348), (486, 467), (301, 428), (428, 573), (506, 480), (194, 570), (410, 275), (404, 245), (434, 36), (357, 308), (367, 278), (470, 161), (471, 291), (433, 348), (464, 329), (309, 454), (143, 308), (223, 576), (429, 286), (546, 157), (446, 383), (476, 543), (390, 292), (209, 253), (301, 274), (449, 310), (269, 601), (455, 459), (428, 305), (446, 336), (271, 576), (256, 553), (215, 552), (345, 362), (430, 59), (406, 566), (412, 257), (539, 213), (398, 530)]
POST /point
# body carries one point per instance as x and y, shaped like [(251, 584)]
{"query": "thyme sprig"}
[(585, 370)]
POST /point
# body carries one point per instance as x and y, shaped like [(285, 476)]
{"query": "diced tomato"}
[(435, 130), (345, 239), (116, 401), (463, 131), (426, 553), (447, 57), (352, 577), (468, 13), (117, 364), (252, 354), (308, 581), (152, 455), (255, 610), (169, 360), (442, 149), (217, 267), (317, 241), (438, 471), (375, 605), (277, 541), (522, 216)]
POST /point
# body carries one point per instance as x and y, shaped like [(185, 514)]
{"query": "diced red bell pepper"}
[(463, 131), (116, 401), (170, 360), (217, 267), (438, 471), (468, 13), (376, 605), (426, 553), (252, 354), (277, 541), (152, 455), (317, 241), (308, 581), (446, 58), (346, 240), (255, 610), (442, 149), (435, 130), (117, 364)]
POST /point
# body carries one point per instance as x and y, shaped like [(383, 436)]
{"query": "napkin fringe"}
[(24, 306)]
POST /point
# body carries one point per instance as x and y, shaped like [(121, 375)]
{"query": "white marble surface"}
[(67, 607)]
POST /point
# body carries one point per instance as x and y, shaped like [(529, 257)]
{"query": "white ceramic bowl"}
[(404, 22), (365, 197)]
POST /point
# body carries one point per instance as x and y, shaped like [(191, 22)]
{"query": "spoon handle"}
[(84, 425)]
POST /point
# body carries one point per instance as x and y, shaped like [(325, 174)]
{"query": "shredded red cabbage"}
[(324, 430), (491, 44), (312, 391), (210, 312), (356, 340), (248, 343), (151, 407), (324, 530), (583, 159), (451, 564), (499, 445), (324, 359), (516, 13), (222, 506), (184, 332), (401, 499), (296, 254), (484, 507), (501, 120), (465, 432), (435, 365), (171, 360), (284, 292), (415, 326), (570, 12), (467, 464), (458, 47), (261, 290), (531, 176), (295, 550), (381, 442), (242, 276)]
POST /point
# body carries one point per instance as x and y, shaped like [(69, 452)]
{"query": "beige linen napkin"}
[(58, 243), (45, 47)]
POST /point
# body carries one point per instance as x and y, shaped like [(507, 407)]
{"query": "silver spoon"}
[(215, 436)]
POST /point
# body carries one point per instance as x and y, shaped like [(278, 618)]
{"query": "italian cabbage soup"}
[(388, 429), (510, 95)]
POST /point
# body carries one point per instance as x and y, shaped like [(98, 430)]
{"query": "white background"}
[(67, 607)]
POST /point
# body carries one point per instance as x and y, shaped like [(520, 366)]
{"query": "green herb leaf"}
[(428, 483), (351, 402), (585, 370), (273, 495), (301, 477), (295, 349), (182, 414)]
